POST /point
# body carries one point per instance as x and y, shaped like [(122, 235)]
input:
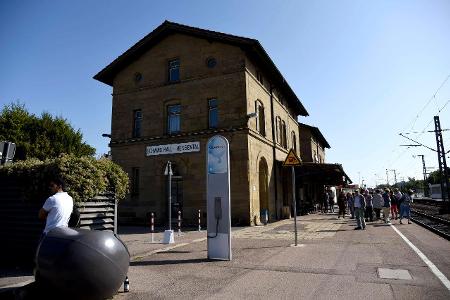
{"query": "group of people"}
[(365, 206)]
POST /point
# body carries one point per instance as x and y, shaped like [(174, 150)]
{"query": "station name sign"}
[(172, 148)]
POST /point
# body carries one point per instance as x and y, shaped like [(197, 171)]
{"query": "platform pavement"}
[(333, 261)]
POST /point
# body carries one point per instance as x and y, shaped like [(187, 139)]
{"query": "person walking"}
[(377, 202), (350, 205), (368, 212), (359, 204), (405, 206), (386, 206), (341, 204)]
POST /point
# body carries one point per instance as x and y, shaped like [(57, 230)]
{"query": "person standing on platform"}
[(331, 196), (325, 201), (341, 204), (350, 205), (405, 206), (368, 212), (377, 202), (395, 204), (359, 204), (386, 206)]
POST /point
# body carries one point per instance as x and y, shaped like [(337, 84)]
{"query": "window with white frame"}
[(137, 123), (213, 113), (173, 119), (261, 118), (174, 70)]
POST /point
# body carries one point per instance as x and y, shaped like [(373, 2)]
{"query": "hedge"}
[(85, 177)]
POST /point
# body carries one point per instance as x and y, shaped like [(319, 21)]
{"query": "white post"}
[(152, 226), (199, 221), (295, 204), (179, 223)]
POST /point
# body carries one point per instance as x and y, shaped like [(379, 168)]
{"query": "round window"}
[(137, 77), (211, 62)]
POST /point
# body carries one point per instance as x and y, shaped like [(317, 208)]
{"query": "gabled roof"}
[(317, 134), (251, 46)]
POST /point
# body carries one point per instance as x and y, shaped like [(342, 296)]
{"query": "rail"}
[(435, 224)]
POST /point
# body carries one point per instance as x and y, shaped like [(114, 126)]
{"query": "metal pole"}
[(387, 177), (425, 189), (445, 189), (295, 205), (179, 223), (170, 195), (199, 221), (152, 226), (395, 175)]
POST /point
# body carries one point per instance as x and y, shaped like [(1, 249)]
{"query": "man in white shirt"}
[(57, 208)]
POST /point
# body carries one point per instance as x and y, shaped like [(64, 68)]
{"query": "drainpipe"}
[(274, 153)]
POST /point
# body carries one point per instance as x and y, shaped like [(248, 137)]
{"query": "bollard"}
[(266, 217), (199, 221), (152, 226), (179, 223), (126, 285)]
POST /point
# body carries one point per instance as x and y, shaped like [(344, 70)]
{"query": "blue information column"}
[(218, 198)]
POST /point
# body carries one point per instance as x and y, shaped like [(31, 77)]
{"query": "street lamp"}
[(107, 135)]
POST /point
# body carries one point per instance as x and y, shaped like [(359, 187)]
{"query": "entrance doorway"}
[(263, 189), (177, 197)]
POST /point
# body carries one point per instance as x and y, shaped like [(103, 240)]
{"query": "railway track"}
[(435, 224)]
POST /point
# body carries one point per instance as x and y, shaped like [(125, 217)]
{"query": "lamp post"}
[(107, 135)]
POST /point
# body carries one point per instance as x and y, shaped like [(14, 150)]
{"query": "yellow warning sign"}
[(292, 159)]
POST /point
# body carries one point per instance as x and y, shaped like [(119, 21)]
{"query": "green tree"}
[(413, 184), (435, 177), (40, 137)]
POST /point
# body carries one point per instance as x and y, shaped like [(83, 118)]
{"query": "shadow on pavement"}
[(381, 225), (265, 247), (169, 262), (173, 252)]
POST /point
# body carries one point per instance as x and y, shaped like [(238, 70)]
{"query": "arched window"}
[(283, 137), (261, 119), (294, 142), (278, 130)]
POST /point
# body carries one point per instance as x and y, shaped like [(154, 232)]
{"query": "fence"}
[(20, 228)]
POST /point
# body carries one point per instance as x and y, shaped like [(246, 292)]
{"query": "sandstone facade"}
[(241, 84)]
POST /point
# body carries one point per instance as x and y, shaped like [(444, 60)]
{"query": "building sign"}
[(172, 148)]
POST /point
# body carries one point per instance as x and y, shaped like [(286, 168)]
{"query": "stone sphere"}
[(81, 264)]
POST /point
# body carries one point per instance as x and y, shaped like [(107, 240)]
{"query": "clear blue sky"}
[(363, 69)]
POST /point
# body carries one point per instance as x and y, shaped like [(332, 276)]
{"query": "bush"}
[(85, 177)]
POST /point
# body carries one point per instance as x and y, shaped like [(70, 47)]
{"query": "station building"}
[(315, 174), (176, 88)]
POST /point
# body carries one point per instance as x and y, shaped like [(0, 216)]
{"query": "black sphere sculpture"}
[(81, 264)]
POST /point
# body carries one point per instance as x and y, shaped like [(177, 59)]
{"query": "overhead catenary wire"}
[(426, 104), (418, 115)]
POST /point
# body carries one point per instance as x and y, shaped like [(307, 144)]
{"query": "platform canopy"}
[(327, 174)]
